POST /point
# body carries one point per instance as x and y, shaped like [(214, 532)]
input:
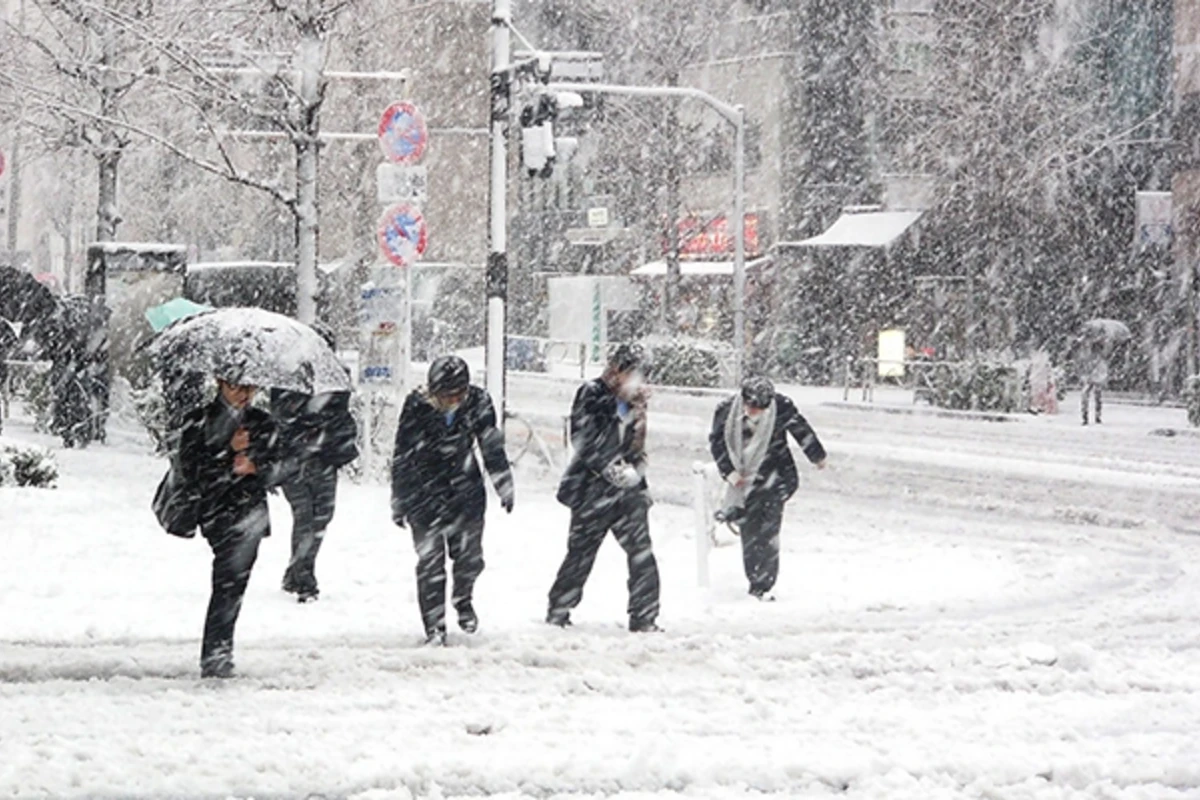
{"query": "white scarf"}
[(754, 452)]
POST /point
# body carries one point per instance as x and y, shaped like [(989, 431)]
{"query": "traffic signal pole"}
[(497, 264), (735, 115)]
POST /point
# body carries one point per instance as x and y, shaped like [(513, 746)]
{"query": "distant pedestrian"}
[(605, 488), (437, 488), (227, 459), (8, 342), (762, 476), (1093, 372), (318, 436)]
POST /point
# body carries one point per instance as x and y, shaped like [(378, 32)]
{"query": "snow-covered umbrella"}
[(1110, 330), (251, 346)]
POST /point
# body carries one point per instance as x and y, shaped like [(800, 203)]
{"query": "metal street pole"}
[(739, 249), (497, 266)]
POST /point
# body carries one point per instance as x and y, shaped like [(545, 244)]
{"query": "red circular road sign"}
[(402, 133), (402, 235)]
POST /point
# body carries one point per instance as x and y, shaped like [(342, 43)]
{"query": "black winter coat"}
[(435, 475), (315, 431), (206, 463), (597, 442), (778, 473)]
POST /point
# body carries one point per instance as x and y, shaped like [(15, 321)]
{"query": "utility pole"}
[(497, 264)]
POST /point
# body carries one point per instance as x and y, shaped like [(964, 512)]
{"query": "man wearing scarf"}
[(605, 488), (437, 488), (761, 474)]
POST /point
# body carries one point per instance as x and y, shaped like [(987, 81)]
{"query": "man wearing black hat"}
[(605, 488), (762, 473), (437, 487)]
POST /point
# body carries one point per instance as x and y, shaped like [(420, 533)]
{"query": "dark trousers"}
[(760, 541), (1091, 390), (312, 499), (235, 547), (628, 519), (460, 538)]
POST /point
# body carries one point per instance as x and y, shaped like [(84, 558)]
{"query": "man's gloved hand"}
[(622, 475), (506, 501)]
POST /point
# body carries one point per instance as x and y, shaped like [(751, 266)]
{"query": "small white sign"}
[(399, 184), (597, 217)]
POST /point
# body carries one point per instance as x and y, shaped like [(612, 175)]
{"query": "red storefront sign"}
[(701, 237)]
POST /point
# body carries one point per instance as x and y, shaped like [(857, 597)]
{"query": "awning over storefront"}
[(697, 268), (866, 229)]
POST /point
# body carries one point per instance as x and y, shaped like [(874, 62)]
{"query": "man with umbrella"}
[(227, 459), (228, 450), (437, 488), (1095, 347)]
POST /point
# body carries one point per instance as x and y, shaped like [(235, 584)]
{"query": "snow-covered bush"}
[(27, 466), (686, 362), (977, 386), (1191, 396)]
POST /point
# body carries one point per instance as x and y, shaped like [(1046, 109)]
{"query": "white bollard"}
[(703, 522)]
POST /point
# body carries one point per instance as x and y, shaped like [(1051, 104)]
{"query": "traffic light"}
[(537, 136), (539, 146)]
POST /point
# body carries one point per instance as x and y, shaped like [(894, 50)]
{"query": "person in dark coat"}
[(8, 342), (763, 477), (228, 459), (68, 354), (1093, 373), (318, 436), (437, 488), (605, 488)]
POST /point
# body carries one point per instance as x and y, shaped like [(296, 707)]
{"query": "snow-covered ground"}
[(966, 609)]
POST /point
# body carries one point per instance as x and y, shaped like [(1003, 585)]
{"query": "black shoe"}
[(289, 585), (644, 626), (467, 619), (764, 597), (307, 595), (560, 619), (217, 669), (436, 638)]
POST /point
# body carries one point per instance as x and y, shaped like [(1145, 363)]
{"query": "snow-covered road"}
[(967, 609)]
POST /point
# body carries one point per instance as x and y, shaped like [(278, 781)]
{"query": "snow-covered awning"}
[(696, 268), (203, 266), (865, 229)]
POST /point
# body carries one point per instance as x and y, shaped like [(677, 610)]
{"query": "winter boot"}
[(559, 618), (644, 626), (468, 620), (435, 638)]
